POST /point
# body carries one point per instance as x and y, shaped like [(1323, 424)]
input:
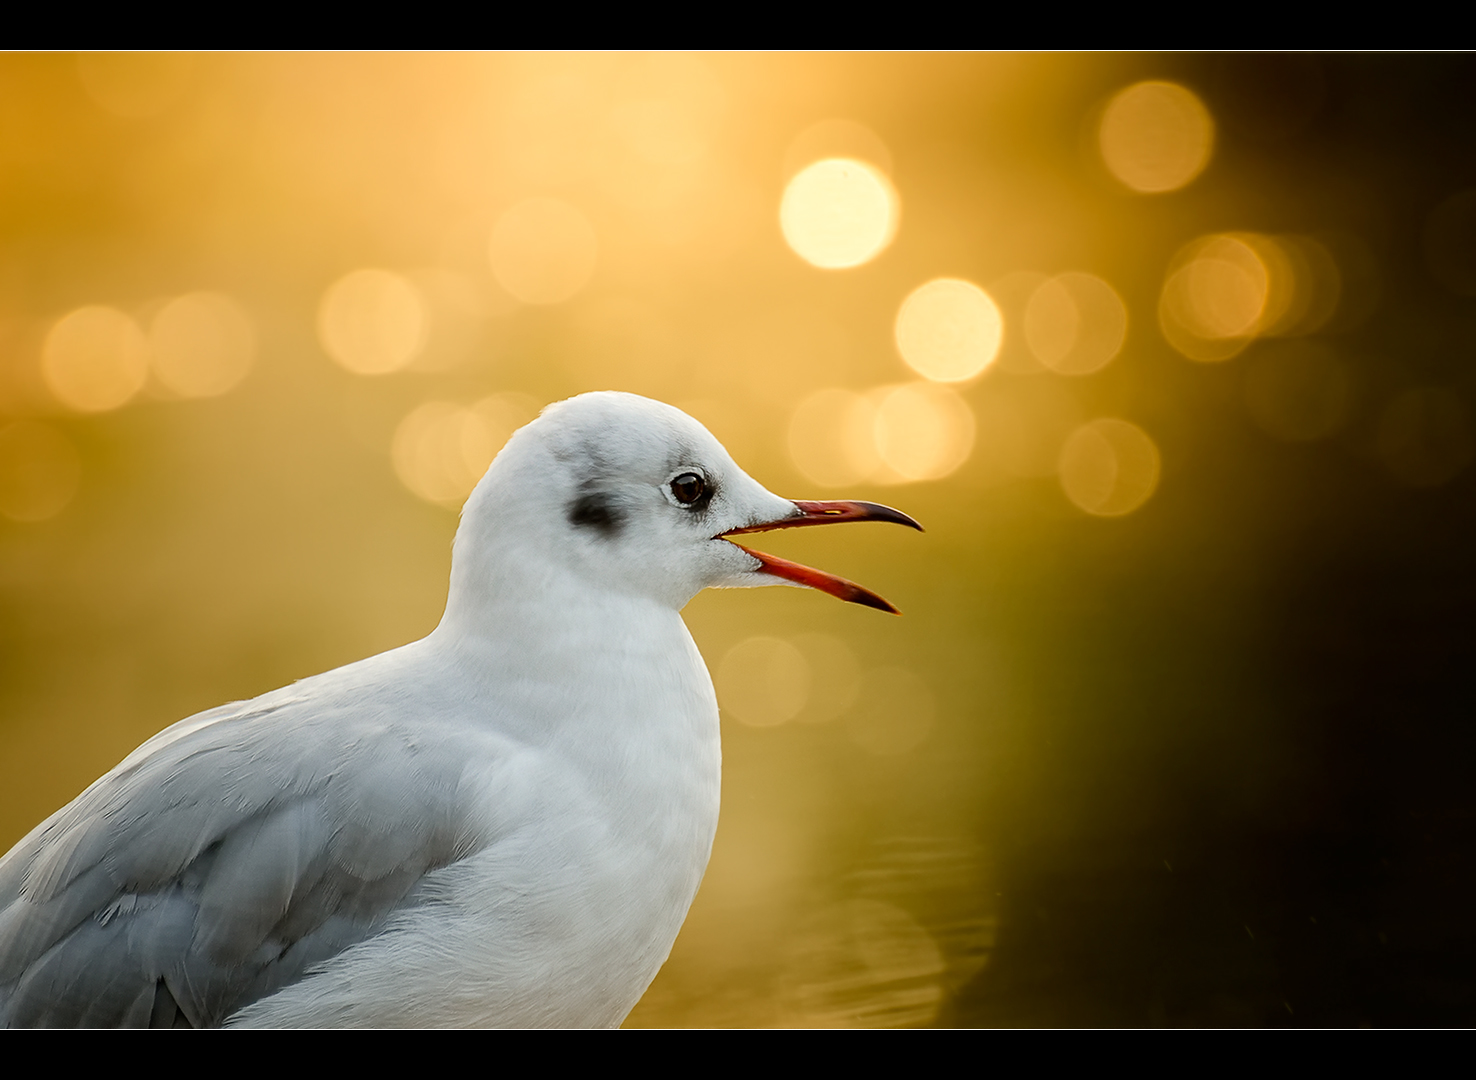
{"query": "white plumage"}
[(501, 824)]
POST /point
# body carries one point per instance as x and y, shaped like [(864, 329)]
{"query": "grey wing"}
[(222, 864)]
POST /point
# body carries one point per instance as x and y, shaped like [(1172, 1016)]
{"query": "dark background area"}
[(1287, 836)]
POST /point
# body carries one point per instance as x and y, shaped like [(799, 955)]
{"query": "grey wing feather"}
[(213, 867)]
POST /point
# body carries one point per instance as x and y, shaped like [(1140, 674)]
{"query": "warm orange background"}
[(263, 317)]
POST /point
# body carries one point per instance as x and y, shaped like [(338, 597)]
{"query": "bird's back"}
[(382, 844)]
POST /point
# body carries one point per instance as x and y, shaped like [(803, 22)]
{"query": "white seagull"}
[(503, 823)]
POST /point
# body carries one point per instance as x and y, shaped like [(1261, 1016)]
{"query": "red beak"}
[(824, 513)]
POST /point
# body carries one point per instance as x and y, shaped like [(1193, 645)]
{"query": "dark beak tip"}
[(895, 517), (820, 513), (856, 594)]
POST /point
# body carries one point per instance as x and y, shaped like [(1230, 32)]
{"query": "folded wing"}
[(213, 866)]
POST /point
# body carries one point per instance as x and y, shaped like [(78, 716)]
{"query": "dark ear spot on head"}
[(596, 510)]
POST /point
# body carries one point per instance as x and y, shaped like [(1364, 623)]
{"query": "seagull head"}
[(623, 493)]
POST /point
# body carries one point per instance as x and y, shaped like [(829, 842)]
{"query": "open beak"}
[(823, 513)]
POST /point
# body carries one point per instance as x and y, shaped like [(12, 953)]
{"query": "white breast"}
[(597, 828)]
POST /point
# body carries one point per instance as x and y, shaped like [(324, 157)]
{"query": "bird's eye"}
[(688, 488)]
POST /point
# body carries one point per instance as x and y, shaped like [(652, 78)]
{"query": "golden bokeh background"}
[(1173, 356)]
